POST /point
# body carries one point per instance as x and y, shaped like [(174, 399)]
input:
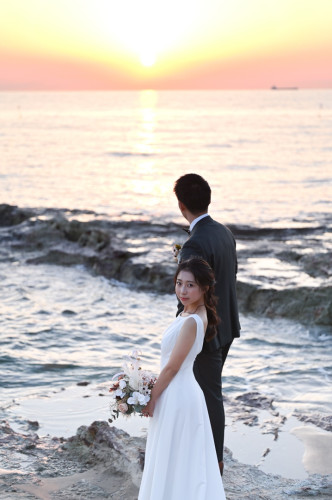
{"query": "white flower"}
[(138, 399), (119, 392), (122, 383)]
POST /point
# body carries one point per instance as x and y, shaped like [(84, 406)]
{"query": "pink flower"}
[(123, 407), (115, 386)]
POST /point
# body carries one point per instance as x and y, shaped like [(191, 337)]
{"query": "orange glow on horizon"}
[(105, 44)]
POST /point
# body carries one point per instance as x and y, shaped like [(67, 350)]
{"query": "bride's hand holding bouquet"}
[(131, 388), (148, 410)]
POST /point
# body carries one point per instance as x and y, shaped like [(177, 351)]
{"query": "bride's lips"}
[(183, 298)]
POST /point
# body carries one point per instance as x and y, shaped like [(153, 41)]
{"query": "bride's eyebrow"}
[(180, 281)]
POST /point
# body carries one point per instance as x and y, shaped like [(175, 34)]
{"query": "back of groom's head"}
[(194, 192)]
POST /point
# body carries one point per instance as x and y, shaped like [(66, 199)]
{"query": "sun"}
[(146, 31), (147, 58)]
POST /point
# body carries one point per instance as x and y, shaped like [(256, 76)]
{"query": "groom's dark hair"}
[(194, 192)]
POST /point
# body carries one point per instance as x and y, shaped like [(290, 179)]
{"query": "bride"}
[(180, 458)]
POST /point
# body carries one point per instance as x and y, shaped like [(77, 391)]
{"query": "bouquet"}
[(131, 388), (176, 248)]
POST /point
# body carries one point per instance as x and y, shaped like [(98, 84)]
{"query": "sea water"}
[(115, 156)]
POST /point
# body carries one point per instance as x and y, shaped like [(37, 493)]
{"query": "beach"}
[(87, 224), (271, 443), (103, 461)]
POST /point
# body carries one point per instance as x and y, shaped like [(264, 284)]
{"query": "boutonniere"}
[(176, 249)]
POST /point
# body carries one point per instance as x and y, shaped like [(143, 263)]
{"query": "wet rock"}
[(33, 425), (289, 256), (306, 304), (248, 418), (310, 488), (155, 277), (273, 425), (251, 232), (59, 258), (103, 462), (317, 264), (255, 399), (241, 412), (12, 215), (101, 443), (5, 428), (138, 253), (83, 233), (322, 421), (68, 312)]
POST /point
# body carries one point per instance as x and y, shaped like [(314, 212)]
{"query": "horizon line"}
[(213, 89)]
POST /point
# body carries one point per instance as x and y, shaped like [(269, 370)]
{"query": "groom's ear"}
[(182, 206)]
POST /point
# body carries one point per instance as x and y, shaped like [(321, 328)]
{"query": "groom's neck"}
[(191, 217)]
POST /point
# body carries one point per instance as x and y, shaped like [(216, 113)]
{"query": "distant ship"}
[(274, 87)]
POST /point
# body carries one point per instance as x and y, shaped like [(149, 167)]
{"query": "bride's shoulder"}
[(203, 318), (197, 319)]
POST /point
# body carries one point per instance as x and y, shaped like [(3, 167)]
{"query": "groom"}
[(215, 243)]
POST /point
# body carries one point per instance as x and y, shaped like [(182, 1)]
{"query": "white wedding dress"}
[(180, 459)]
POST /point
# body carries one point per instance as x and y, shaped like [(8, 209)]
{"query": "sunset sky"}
[(165, 44)]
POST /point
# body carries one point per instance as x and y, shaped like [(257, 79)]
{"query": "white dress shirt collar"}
[(194, 222)]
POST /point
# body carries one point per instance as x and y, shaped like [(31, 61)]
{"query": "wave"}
[(51, 367), (221, 145), (125, 154), (248, 232)]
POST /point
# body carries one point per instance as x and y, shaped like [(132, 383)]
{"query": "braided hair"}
[(204, 278)]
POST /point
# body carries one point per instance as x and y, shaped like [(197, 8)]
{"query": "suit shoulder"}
[(224, 228), (216, 226), (192, 243), (192, 248)]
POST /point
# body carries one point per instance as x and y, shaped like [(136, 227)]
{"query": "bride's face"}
[(187, 290)]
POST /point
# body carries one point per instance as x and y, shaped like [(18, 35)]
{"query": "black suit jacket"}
[(215, 243)]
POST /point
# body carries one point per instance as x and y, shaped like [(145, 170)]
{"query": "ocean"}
[(88, 218)]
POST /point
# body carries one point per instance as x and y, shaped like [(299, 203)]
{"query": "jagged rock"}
[(83, 233), (255, 399), (322, 421), (309, 488), (317, 265), (156, 278), (12, 215), (101, 443), (126, 251), (103, 462), (33, 425), (306, 304)]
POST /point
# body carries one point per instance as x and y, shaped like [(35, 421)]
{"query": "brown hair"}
[(204, 278)]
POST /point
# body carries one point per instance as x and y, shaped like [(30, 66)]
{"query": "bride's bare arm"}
[(180, 351)]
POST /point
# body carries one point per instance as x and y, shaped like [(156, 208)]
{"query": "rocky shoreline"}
[(101, 462), (138, 253)]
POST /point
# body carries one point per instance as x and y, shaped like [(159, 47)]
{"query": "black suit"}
[(215, 243)]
